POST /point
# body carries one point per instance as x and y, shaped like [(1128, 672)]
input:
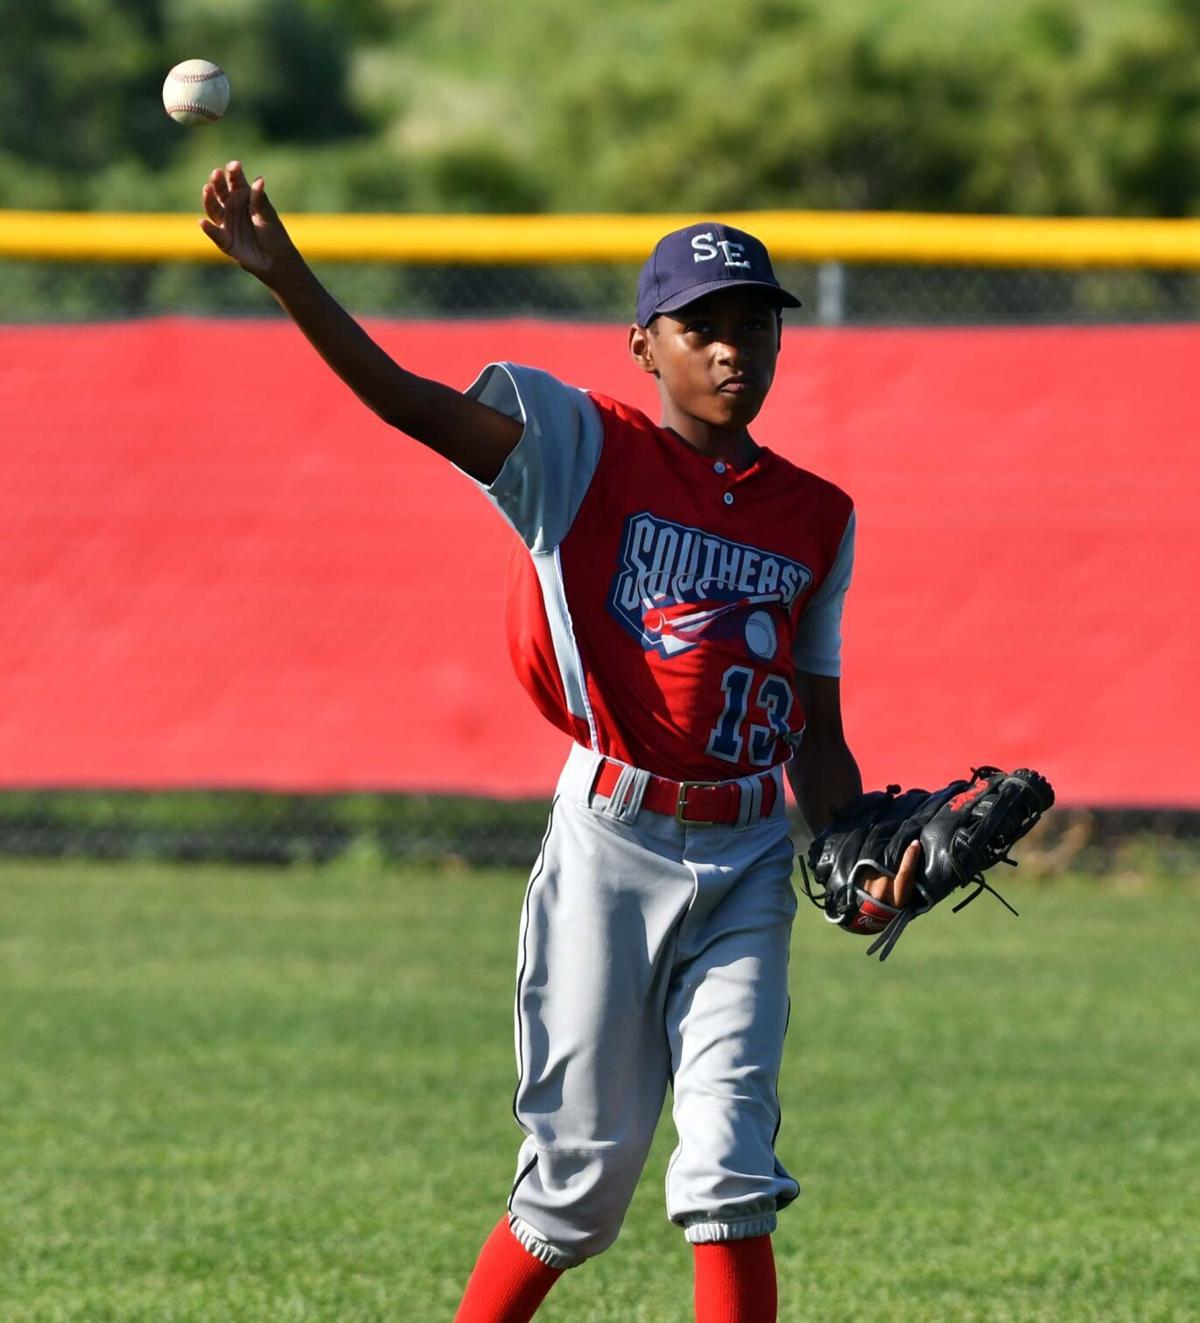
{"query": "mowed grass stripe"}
[(284, 1095)]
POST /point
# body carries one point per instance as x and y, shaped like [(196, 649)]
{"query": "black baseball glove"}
[(964, 829)]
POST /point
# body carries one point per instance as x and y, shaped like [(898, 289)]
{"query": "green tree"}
[(1039, 106)]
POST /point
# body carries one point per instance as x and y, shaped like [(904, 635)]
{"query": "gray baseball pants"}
[(651, 953)]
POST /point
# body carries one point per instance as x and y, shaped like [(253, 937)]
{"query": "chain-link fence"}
[(258, 827), (449, 831), (834, 293)]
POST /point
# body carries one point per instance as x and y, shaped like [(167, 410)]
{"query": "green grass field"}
[(284, 1095)]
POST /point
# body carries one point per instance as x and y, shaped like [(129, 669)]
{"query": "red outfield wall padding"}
[(219, 570)]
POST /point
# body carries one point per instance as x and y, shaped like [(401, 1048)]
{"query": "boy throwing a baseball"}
[(678, 616)]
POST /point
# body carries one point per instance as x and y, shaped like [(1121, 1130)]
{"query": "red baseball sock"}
[(735, 1282), (508, 1283)]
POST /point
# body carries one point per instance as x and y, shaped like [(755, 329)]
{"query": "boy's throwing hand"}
[(240, 220)]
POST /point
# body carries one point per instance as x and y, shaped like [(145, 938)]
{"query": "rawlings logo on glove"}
[(964, 829)]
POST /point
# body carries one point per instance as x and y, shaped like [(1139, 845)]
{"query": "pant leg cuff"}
[(551, 1255), (705, 1231)]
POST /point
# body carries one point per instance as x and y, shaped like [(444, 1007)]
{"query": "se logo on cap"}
[(704, 250)]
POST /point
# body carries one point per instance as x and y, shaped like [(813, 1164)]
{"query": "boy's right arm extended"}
[(244, 225)]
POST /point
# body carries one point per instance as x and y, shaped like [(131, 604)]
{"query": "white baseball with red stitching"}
[(196, 92)]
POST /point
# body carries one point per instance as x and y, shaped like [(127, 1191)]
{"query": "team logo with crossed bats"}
[(676, 585)]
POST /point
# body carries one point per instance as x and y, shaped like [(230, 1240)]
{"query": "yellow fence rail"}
[(804, 236)]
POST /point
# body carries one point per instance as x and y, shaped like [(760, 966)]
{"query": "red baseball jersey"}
[(663, 600)]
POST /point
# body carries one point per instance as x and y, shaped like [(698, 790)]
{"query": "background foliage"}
[(1036, 106)]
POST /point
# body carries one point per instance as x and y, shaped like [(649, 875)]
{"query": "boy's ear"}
[(641, 347)]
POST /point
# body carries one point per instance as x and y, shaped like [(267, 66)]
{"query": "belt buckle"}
[(681, 801)]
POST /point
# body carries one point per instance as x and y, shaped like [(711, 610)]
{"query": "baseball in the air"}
[(196, 92)]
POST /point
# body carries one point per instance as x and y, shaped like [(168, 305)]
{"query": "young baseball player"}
[(678, 615)]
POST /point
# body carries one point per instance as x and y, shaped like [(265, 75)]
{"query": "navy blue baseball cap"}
[(687, 264)]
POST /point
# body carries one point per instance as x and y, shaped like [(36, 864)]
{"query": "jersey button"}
[(728, 498), (719, 466)]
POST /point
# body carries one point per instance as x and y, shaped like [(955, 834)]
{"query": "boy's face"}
[(715, 359)]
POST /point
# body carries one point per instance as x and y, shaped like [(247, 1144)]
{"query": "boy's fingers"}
[(906, 875), (235, 176), (260, 204), (215, 233), (214, 208), (896, 890), (878, 886)]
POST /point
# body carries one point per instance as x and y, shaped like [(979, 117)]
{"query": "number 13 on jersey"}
[(773, 699)]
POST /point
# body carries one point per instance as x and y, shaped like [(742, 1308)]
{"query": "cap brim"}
[(779, 296)]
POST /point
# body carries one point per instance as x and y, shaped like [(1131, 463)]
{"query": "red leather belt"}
[(690, 801)]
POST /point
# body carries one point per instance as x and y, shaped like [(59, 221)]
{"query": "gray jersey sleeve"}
[(544, 480), (818, 646)]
